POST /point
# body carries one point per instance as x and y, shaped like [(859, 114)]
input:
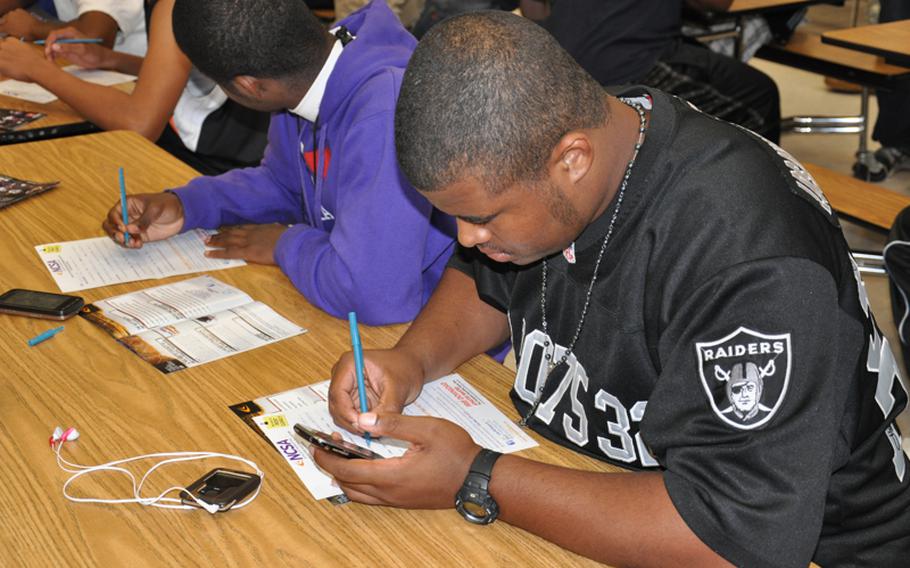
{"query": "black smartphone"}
[(222, 487), (340, 447), (37, 304)]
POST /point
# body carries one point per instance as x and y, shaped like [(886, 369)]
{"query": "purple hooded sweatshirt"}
[(362, 238)]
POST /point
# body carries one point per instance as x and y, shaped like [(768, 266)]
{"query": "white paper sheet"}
[(90, 263), (185, 324), (450, 397), (37, 94), (169, 304)]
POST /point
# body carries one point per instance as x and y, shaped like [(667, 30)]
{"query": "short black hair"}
[(488, 95), (274, 39)]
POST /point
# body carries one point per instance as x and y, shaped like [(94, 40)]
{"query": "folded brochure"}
[(188, 323)]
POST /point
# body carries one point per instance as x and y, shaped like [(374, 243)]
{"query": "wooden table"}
[(890, 40), (124, 407), (859, 201)]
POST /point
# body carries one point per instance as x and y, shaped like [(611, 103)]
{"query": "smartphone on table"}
[(33, 303), (341, 447), (221, 487)]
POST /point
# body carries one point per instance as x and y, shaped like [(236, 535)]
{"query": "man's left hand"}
[(253, 243), (18, 59), (427, 476)]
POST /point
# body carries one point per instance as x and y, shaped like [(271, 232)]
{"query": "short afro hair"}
[(274, 39), (488, 95)]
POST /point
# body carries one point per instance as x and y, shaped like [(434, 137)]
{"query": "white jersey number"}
[(622, 445)]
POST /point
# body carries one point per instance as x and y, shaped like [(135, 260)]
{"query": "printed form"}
[(450, 397), (91, 263)]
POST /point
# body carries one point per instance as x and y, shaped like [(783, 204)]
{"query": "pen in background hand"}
[(358, 363), (72, 40), (126, 219)]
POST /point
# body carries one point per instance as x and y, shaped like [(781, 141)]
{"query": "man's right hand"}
[(85, 55), (392, 378), (152, 217)]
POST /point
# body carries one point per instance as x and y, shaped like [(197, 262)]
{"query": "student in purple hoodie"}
[(328, 203)]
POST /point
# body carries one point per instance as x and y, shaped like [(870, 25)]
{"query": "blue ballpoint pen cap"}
[(44, 336)]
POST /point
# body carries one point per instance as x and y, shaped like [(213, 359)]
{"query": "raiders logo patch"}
[(745, 375)]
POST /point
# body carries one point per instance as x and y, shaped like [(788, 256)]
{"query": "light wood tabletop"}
[(124, 407), (859, 200), (890, 40)]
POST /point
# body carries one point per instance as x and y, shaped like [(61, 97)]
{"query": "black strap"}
[(344, 35), (483, 465)]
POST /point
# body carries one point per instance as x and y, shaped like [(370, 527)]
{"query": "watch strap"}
[(482, 468)]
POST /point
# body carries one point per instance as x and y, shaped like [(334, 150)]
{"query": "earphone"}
[(61, 436)]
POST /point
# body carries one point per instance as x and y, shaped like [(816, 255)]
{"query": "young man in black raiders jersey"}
[(681, 301)]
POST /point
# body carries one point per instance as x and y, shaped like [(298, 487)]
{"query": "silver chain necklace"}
[(551, 365)]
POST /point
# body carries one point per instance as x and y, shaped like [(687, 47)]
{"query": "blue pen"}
[(126, 219), (44, 336), (72, 40), (358, 363)]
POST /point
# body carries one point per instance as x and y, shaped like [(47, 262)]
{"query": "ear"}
[(249, 86), (572, 157)]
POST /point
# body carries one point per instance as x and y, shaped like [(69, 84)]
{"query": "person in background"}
[(641, 42), (892, 127), (120, 24), (328, 203), (172, 103)]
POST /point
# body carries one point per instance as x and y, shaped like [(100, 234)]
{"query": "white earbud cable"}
[(161, 500)]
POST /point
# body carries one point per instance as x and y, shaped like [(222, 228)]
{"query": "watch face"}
[(475, 509)]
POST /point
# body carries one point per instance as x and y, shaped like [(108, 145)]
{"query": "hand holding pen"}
[(391, 381), (70, 44)]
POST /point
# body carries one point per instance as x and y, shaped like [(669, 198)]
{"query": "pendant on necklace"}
[(569, 254)]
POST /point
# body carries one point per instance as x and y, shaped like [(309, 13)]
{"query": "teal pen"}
[(72, 40), (358, 363), (126, 219), (44, 336)]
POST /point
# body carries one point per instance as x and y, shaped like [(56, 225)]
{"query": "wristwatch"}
[(473, 500)]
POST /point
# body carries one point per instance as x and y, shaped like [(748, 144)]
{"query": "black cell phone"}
[(340, 447), (222, 487), (37, 304)]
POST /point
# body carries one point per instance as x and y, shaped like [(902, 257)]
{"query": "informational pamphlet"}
[(450, 397), (189, 323), (13, 190), (35, 93), (11, 119), (90, 263)]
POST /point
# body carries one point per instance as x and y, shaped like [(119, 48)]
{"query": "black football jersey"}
[(729, 343)]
